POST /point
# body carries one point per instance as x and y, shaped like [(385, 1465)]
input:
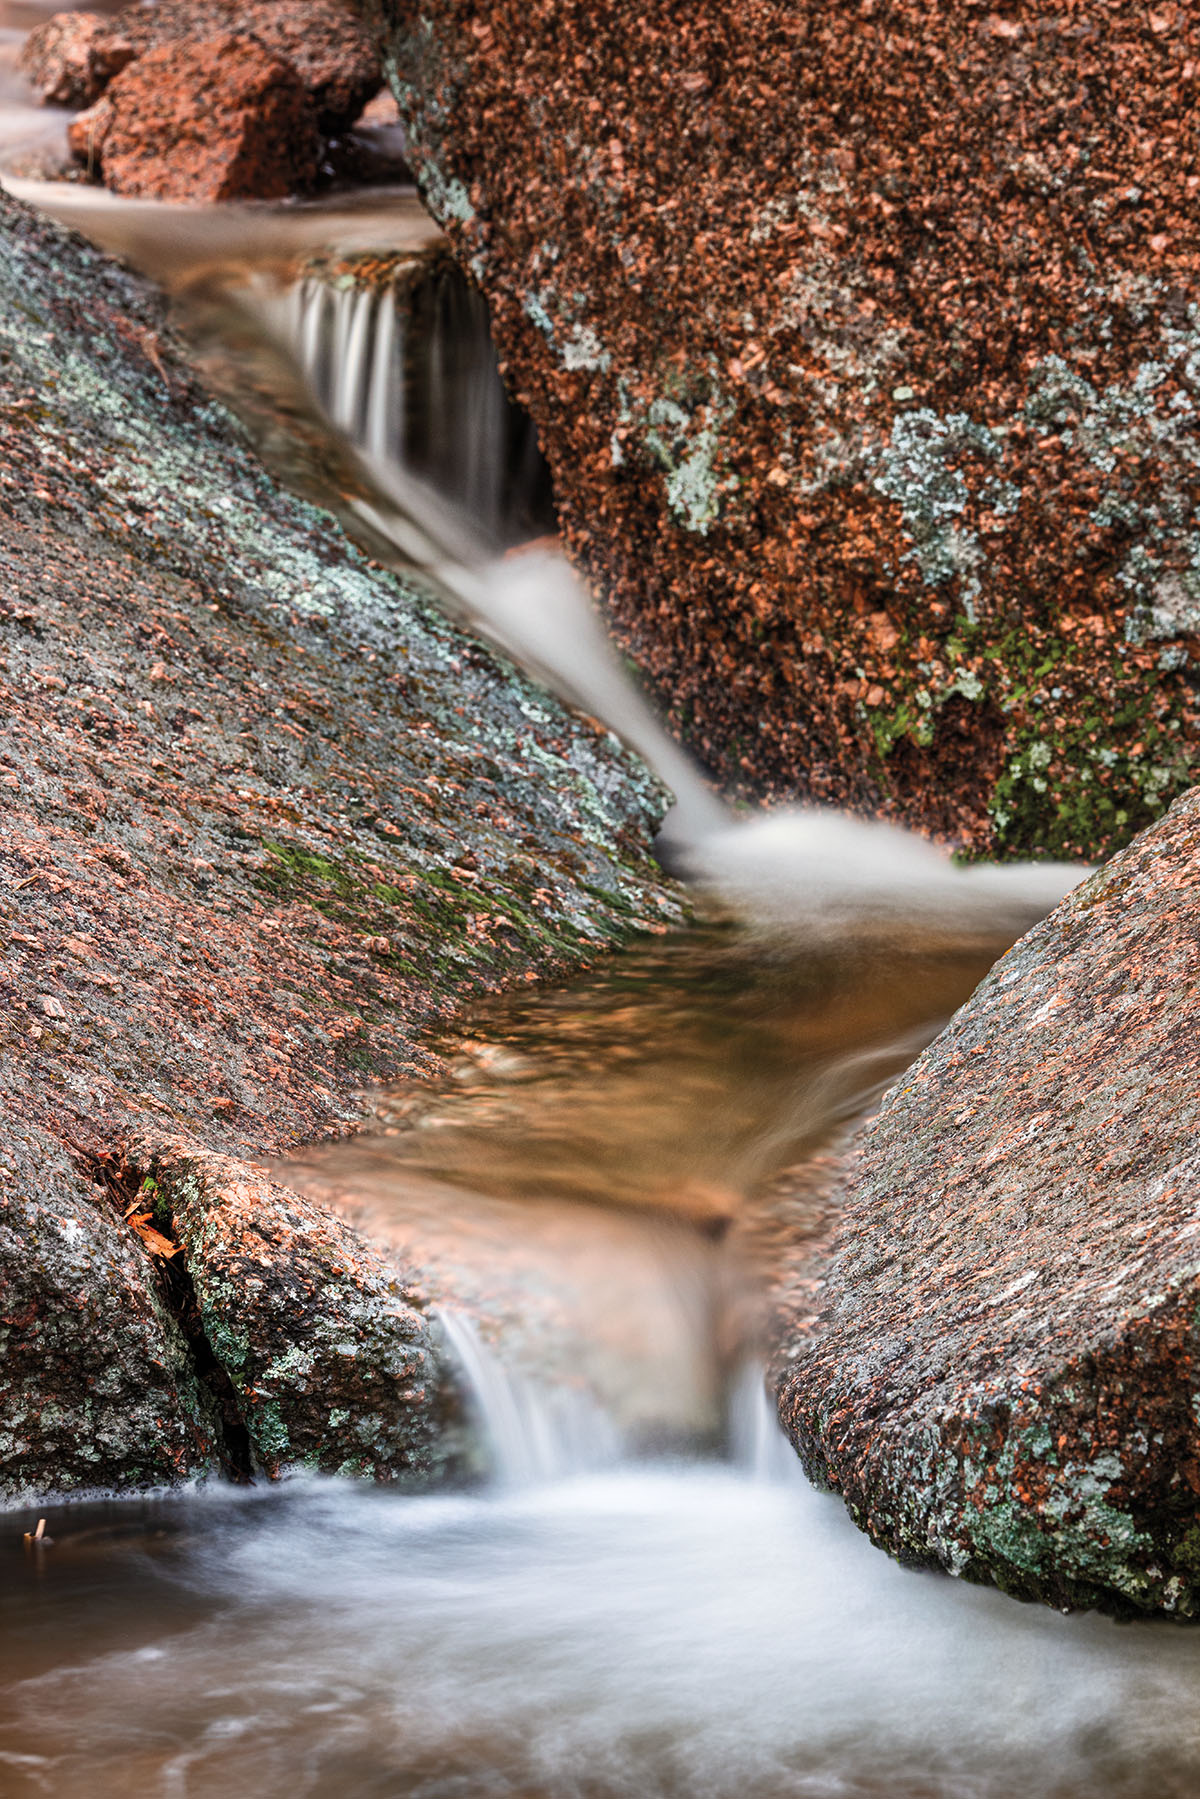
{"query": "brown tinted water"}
[(645, 1623)]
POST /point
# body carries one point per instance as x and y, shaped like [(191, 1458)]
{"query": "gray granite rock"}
[(266, 813), (1000, 1368)]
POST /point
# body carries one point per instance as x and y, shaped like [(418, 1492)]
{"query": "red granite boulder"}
[(223, 119), (71, 58), (864, 343), (998, 1369)]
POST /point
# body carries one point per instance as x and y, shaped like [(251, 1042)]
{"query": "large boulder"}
[(864, 344), (1000, 1367), (71, 58), (266, 814), (217, 119)]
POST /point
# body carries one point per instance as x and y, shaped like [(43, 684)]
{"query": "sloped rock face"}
[(70, 59), (864, 345), (265, 814), (217, 119), (1000, 1369)]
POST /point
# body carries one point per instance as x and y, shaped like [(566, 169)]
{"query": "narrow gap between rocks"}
[(146, 1212)]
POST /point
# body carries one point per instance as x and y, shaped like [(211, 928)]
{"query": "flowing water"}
[(631, 1593)]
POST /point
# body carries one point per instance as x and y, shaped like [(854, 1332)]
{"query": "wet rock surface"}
[(999, 1365), (266, 814), (215, 119), (864, 346)]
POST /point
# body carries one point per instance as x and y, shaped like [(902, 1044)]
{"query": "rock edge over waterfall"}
[(1000, 1370), (266, 813)]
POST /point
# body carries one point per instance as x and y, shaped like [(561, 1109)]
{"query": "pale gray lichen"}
[(687, 444), (574, 344), (920, 470), (1126, 426)]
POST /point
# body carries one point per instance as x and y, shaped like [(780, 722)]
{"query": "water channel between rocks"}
[(631, 1592), (638, 1593)]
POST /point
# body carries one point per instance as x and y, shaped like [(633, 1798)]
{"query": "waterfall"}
[(349, 342), (533, 1433), (757, 1444), (407, 371)]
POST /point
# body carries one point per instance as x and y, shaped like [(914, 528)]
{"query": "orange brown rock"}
[(998, 1370), (221, 119), (863, 341), (70, 59)]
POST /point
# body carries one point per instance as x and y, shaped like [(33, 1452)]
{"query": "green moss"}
[(1186, 1554), (1082, 789), (1078, 779), (295, 870)]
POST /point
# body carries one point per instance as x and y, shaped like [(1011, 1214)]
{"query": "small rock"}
[(223, 119), (70, 60)]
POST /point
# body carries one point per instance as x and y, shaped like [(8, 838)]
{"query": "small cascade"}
[(757, 1445), (536, 1433), (533, 1433), (407, 370), (349, 343)]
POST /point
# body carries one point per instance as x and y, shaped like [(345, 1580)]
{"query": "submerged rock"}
[(266, 813), (1000, 1368), (864, 350), (220, 118)]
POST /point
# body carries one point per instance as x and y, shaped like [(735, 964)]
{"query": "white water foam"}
[(833, 877), (669, 1631), (646, 1633)]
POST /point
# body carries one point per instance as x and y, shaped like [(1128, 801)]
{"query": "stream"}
[(628, 1590)]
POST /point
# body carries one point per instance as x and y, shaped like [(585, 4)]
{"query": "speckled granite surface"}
[(863, 341), (1000, 1369), (264, 811)]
